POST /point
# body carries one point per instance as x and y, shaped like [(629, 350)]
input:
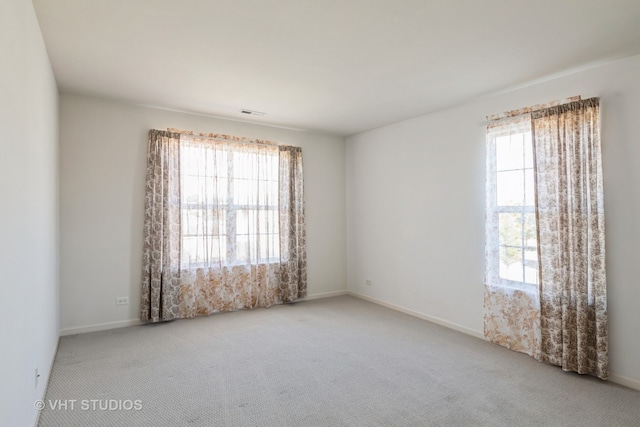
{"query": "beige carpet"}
[(333, 362)]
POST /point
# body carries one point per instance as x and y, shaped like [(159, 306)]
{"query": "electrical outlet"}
[(122, 301), (368, 282), (37, 376)]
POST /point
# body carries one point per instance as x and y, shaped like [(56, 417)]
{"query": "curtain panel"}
[(160, 293), (293, 271), (570, 221), (224, 225)]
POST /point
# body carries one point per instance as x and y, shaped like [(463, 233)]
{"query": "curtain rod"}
[(497, 118), (224, 137)]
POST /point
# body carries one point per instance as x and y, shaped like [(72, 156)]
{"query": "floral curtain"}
[(570, 221), (160, 295), (558, 314), (224, 225)]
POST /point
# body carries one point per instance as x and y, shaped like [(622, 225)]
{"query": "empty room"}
[(319, 213)]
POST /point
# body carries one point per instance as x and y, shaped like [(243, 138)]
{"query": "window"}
[(224, 225), (511, 205), (229, 203), (545, 290)]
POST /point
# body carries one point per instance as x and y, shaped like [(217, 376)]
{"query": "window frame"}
[(228, 232), (512, 127)]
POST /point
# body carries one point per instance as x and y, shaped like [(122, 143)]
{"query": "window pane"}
[(509, 152), (192, 249), (203, 160), (269, 167), (269, 246), (190, 220), (244, 165), (530, 236), (531, 266), (253, 248), (245, 192), (528, 151), (202, 249), (274, 246), (242, 222), (268, 221), (246, 221), (214, 223), (221, 163), (189, 249), (213, 249), (203, 222), (274, 222), (529, 193), (262, 221), (242, 248), (268, 193), (203, 190), (510, 226), (189, 158), (190, 189), (263, 244), (511, 263), (510, 186), (221, 191)]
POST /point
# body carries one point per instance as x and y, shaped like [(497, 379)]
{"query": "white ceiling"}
[(333, 66)]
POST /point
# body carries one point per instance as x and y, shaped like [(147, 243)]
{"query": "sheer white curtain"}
[(230, 250), (511, 294)]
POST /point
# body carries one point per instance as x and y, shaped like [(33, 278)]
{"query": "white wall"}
[(415, 207), (28, 213), (102, 161)]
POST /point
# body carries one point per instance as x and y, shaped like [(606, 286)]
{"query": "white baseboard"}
[(99, 327), (323, 295), (133, 322), (625, 381), (420, 315), (613, 377)]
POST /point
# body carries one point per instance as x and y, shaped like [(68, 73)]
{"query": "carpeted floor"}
[(332, 362)]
